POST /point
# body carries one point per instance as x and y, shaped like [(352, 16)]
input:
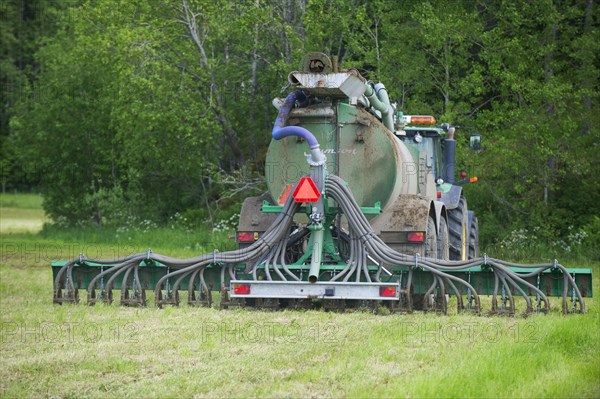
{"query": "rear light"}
[(247, 236), (241, 289), (439, 194), (463, 175), (415, 236), (387, 291)]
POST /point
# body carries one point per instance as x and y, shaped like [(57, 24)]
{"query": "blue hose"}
[(280, 130)]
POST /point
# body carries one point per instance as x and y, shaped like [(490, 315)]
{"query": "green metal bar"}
[(367, 210), (268, 208), (374, 210)]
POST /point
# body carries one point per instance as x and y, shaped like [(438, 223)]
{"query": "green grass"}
[(105, 242), (21, 201), (109, 351), (21, 213)]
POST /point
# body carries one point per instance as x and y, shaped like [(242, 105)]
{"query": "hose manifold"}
[(316, 157)]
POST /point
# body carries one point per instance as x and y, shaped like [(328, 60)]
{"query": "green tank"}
[(359, 148), (352, 121)]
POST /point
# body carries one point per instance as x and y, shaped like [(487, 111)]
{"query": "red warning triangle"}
[(306, 191)]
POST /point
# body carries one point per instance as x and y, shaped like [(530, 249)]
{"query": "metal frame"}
[(318, 290)]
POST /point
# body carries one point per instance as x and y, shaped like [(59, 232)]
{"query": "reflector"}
[(415, 236), (285, 194), (241, 289), (306, 191), (387, 291), (246, 236)]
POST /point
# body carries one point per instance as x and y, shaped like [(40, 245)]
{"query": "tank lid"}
[(340, 84)]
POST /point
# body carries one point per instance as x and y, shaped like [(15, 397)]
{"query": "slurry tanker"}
[(363, 209)]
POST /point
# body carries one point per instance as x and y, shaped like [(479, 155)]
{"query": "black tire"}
[(443, 241), (458, 227), (431, 242), (473, 236)]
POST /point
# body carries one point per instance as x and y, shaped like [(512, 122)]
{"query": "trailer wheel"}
[(473, 236), (443, 243), (458, 220), (431, 243)]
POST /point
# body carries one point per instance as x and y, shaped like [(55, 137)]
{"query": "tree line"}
[(116, 109)]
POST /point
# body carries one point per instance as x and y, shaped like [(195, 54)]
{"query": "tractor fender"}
[(452, 197)]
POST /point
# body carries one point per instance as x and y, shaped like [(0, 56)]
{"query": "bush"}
[(545, 243), (592, 238)]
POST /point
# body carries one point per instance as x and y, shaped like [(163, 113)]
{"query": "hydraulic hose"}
[(270, 250)]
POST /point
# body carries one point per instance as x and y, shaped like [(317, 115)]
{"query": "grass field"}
[(21, 213), (109, 351)]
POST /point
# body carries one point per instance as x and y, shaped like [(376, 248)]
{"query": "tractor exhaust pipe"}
[(449, 155)]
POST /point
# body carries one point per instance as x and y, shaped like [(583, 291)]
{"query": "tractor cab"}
[(421, 135)]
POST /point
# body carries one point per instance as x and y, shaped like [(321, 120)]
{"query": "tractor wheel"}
[(431, 243), (473, 236), (458, 220), (443, 243)]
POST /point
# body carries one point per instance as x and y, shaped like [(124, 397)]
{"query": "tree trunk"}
[(231, 138)]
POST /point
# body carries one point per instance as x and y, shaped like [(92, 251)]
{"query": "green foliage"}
[(544, 243), (124, 114), (592, 237), (539, 150), (24, 24), (111, 127)]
